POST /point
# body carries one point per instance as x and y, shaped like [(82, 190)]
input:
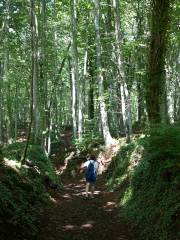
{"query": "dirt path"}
[(70, 217)]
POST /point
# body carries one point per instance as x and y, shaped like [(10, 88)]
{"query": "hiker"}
[(91, 166)]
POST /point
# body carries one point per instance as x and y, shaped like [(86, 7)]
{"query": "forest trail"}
[(70, 217)]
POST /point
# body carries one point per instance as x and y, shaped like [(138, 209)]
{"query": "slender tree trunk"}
[(1, 103), (140, 65), (16, 113), (91, 89), (83, 91), (35, 35), (6, 84), (104, 118), (156, 84), (23, 158), (176, 107), (43, 73), (125, 98), (77, 102)]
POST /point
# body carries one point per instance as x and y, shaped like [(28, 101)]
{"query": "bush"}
[(88, 142)]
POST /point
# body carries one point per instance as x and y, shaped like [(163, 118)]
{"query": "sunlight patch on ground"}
[(52, 199), (97, 192), (12, 163), (69, 227), (78, 194), (110, 203), (82, 180), (79, 186), (87, 225), (67, 196), (110, 206)]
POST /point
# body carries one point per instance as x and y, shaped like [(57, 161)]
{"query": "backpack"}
[(91, 172)]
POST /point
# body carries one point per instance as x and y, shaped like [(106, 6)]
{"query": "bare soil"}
[(71, 217)]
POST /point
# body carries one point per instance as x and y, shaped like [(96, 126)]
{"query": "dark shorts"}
[(91, 181)]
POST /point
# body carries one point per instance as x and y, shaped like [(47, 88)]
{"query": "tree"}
[(156, 83), (104, 120), (125, 99)]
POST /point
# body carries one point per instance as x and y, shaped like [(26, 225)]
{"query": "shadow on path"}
[(70, 217)]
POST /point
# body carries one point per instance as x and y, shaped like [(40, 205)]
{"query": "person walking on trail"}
[(91, 166)]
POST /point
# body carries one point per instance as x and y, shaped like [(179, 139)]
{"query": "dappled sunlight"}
[(21, 139), (12, 164), (53, 200), (110, 206), (97, 192), (105, 157), (67, 196), (127, 196), (79, 186), (88, 225), (62, 169), (69, 227), (78, 194), (82, 180)]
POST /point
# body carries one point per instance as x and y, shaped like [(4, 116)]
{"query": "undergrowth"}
[(22, 189), (88, 142), (151, 195)]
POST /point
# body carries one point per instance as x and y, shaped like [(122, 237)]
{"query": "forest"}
[(81, 77)]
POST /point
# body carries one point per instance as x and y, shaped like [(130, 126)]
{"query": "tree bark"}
[(156, 83), (77, 96), (23, 158), (104, 118), (35, 36), (125, 98)]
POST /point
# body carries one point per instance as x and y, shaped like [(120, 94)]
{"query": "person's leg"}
[(87, 188), (92, 190)]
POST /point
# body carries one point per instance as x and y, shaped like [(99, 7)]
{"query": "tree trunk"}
[(91, 86), (43, 74), (23, 158), (77, 96), (125, 99), (104, 118), (156, 83), (1, 103), (35, 36)]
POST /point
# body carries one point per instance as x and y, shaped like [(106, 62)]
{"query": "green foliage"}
[(154, 199), (88, 142), (22, 189), (18, 199), (36, 155), (151, 198), (119, 169)]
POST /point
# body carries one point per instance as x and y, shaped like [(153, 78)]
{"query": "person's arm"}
[(84, 165)]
